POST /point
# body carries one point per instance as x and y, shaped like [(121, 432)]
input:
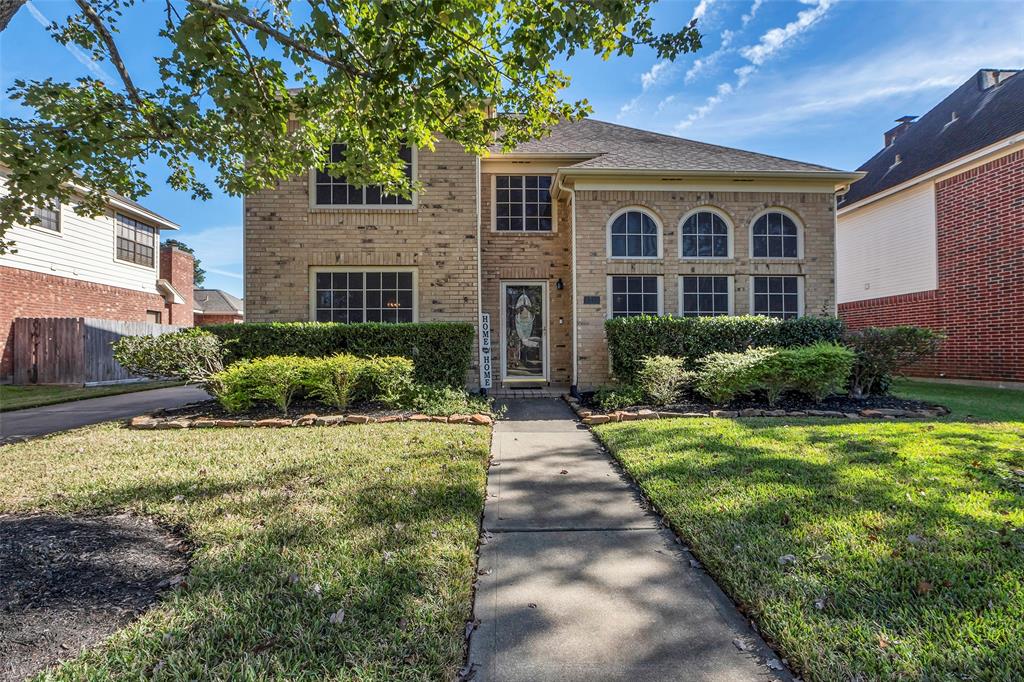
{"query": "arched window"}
[(775, 234), (634, 233), (704, 233)]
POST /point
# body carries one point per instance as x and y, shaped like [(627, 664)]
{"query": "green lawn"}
[(908, 537), (21, 397), (291, 526)]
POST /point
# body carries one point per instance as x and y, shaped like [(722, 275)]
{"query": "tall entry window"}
[(364, 296)]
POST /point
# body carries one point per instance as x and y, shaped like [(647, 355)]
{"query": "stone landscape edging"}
[(593, 417), (150, 422)]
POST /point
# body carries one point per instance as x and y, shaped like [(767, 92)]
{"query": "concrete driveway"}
[(39, 421)]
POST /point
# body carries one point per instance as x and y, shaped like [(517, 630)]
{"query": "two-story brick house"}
[(593, 221)]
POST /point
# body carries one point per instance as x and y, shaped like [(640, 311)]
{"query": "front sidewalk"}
[(578, 582)]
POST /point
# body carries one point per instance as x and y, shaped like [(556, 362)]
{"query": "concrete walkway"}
[(578, 582), (39, 421)]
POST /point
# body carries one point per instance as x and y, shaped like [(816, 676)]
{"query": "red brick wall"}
[(979, 304), (177, 267), (203, 319), (33, 294)]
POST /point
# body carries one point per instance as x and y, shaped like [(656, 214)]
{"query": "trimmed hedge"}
[(630, 339), (440, 351)]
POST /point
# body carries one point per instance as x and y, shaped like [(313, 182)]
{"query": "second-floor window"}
[(136, 242), (335, 190), (775, 235), (49, 216), (522, 203)]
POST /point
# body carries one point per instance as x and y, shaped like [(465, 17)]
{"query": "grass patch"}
[(966, 402), (21, 397), (291, 526), (908, 536)]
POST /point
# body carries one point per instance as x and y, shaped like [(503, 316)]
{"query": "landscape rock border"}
[(154, 422), (593, 417)]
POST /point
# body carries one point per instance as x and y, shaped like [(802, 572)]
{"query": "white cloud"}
[(656, 73), (701, 9), (220, 248), (752, 12), (723, 91), (76, 52), (701, 65), (777, 38)]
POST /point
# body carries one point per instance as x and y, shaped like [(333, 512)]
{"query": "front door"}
[(524, 331)]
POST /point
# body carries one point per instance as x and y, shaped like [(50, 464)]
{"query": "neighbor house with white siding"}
[(933, 235), (110, 266)]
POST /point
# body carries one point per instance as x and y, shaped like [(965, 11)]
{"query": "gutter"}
[(574, 388), (843, 177)]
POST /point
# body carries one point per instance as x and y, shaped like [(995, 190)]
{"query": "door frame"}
[(502, 297)]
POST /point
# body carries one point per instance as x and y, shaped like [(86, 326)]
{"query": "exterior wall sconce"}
[(559, 284)]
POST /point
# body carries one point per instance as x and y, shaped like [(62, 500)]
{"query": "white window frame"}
[(494, 205), (313, 206), (56, 207), (314, 270), (799, 235), (732, 291), (609, 312), (730, 234), (799, 293), (659, 225)]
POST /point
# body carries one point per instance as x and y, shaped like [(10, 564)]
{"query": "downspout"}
[(835, 247), (479, 276), (574, 388)]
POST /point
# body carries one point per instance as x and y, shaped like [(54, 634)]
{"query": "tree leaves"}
[(377, 75)]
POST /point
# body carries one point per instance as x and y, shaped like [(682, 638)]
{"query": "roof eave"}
[(839, 177)]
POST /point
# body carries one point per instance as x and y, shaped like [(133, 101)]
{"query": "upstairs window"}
[(634, 233), (136, 242), (704, 234), (331, 190), (775, 235), (49, 216), (522, 203)]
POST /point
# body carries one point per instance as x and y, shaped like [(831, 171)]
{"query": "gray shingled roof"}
[(616, 147), (216, 302), (984, 117)]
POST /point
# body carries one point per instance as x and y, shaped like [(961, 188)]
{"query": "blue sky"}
[(814, 80)]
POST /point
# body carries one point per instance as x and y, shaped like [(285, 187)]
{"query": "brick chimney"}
[(904, 122), (177, 267)]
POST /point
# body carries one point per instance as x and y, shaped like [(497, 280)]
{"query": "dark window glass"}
[(777, 296), (775, 236), (364, 296), (704, 235), (49, 216), (704, 296), (522, 203), (634, 234), (136, 242), (336, 191), (634, 295)]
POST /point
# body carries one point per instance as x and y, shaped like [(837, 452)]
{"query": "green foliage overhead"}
[(441, 351), (371, 74), (630, 339)]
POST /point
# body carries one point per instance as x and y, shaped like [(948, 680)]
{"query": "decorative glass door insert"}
[(524, 331)]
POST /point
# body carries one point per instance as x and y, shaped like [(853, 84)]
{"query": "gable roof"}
[(984, 116), (609, 146), (216, 302)]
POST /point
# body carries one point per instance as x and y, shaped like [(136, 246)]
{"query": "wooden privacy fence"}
[(73, 350)]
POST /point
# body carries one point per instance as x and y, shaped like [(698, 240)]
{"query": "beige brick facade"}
[(285, 240)]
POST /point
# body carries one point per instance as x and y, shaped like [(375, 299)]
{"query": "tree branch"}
[(112, 51)]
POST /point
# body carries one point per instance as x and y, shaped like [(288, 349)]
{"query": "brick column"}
[(177, 267)]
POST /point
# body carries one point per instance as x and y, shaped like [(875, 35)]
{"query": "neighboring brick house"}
[(934, 233), (216, 306), (109, 267), (595, 220)]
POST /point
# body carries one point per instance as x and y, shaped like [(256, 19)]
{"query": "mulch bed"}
[(68, 583), (211, 409)]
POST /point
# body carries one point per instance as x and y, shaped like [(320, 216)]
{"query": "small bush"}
[(725, 376), (694, 338), (333, 380), (816, 371), (618, 397), (193, 355), (445, 400), (442, 351), (276, 379), (883, 352), (662, 379), (386, 380)]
